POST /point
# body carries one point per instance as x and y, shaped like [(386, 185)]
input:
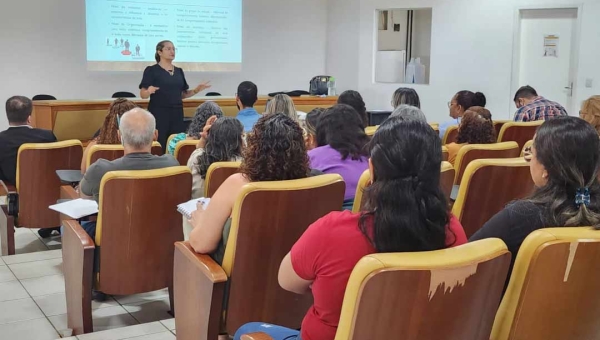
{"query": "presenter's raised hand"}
[(202, 87), (153, 89)]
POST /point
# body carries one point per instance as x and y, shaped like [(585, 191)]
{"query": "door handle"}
[(570, 88)]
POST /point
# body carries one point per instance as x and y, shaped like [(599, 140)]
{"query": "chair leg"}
[(172, 300), (7, 232)]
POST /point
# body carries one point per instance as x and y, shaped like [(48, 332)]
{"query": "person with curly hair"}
[(203, 113), (590, 112), (341, 141), (108, 133), (476, 127), (275, 151)]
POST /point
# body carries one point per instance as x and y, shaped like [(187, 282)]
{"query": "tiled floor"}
[(33, 306)]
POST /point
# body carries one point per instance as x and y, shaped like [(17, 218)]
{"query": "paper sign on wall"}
[(551, 45)]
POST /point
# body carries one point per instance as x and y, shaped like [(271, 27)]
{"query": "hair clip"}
[(582, 197)]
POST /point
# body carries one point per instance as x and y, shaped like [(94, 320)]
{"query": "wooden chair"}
[(553, 289), (435, 127), (445, 153), (518, 132), (169, 140), (216, 174), (498, 124), (450, 294), (37, 187), (487, 186), (184, 149), (110, 152), (450, 135), (135, 234), (267, 219), (471, 152), (370, 130), (527, 145), (447, 178), (363, 182), (157, 149)]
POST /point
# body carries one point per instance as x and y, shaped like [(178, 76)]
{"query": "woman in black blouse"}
[(565, 158), (166, 87)]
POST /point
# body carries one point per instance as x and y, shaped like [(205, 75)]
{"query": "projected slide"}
[(122, 34)]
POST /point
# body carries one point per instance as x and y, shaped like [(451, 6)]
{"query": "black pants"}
[(169, 120)]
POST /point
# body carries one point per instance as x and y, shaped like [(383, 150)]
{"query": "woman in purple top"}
[(341, 141)]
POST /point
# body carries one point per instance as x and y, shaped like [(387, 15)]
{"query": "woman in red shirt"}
[(406, 211)]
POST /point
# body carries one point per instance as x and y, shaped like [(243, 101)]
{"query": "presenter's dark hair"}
[(248, 93), (18, 109), (341, 127), (405, 207), (159, 47), (354, 99)]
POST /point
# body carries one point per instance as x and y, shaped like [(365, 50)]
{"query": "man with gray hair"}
[(409, 113)]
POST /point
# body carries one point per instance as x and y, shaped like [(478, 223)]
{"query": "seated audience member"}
[(564, 168), (275, 151), (341, 141), (532, 107), (459, 104), (312, 119), (221, 141), (203, 112), (354, 99), (408, 112), (246, 97), (590, 112), (282, 103), (137, 130), (109, 132), (476, 127), (406, 212), (406, 96)]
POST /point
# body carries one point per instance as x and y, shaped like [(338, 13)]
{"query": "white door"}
[(547, 53)]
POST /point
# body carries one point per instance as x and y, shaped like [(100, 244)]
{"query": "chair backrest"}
[(137, 228), (216, 174), (363, 182), (498, 124), (518, 132), (487, 186), (435, 127), (370, 130), (450, 134), (110, 152), (37, 183), (447, 178), (527, 145), (267, 219), (184, 149), (471, 152), (123, 94), (170, 139), (157, 149), (43, 97), (553, 290), (450, 294), (445, 153)]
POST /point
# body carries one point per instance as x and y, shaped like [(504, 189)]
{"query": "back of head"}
[(569, 150), (312, 119), (405, 95), (110, 127), (526, 92), (224, 143), (468, 99), (354, 99), (408, 112), (405, 202), (137, 129), (282, 103), (590, 111), (203, 113), (18, 109), (342, 128), (247, 92), (275, 150), (476, 127)]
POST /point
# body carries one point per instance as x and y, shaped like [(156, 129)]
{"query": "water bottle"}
[(331, 87)]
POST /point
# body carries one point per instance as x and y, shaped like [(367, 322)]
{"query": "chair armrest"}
[(6, 188), (256, 336), (67, 192), (199, 285)]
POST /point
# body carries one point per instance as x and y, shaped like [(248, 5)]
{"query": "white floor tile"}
[(157, 336), (12, 290), (141, 331), (19, 310), (42, 255), (169, 323), (30, 270), (103, 319), (6, 274), (28, 243), (39, 329), (149, 311), (44, 285), (150, 296), (56, 304)]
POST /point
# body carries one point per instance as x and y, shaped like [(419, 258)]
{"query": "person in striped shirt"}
[(532, 107)]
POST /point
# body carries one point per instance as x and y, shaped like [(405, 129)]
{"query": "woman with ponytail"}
[(458, 105), (405, 212), (564, 167)]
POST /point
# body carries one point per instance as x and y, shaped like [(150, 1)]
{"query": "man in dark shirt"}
[(18, 112)]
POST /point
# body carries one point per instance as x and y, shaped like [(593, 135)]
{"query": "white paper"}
[(76, 208), (188, 208), (551, 45)]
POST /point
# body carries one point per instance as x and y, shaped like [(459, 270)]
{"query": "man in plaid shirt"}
[(532, 107)]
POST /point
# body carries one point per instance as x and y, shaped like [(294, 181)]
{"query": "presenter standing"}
[(166, 87)]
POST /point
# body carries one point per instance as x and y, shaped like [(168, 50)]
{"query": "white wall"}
[(343, 38), (285, 45), (472, 44), (390, 40)]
